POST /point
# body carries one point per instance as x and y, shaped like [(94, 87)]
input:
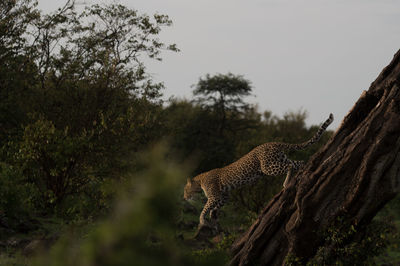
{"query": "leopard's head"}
[(191, 188)]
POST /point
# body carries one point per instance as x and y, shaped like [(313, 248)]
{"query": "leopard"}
[(268, 159)]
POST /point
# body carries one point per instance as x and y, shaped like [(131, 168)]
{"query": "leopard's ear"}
[(189, 180)]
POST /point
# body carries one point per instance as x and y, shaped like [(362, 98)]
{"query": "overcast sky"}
[(314, 55)]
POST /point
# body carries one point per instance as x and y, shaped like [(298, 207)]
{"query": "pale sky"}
[(314, 55)]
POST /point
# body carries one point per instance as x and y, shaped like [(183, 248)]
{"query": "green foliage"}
[(141, 230), (219, 252), (17, 70), (17, 260), (15, 194), (48, 157), (293, 260), (390, 215), (15, 17), (76, 100), (350, 244)]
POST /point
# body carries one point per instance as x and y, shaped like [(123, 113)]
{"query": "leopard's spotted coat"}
[(266, 159)]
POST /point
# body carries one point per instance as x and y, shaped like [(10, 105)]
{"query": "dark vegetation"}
[(93, 162)]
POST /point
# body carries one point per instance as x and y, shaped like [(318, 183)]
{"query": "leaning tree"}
[(352, 177)]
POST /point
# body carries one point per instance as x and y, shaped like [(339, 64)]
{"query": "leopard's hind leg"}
[(281, 165), (288, 176), (293, 166)]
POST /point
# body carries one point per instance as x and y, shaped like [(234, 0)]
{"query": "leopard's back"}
[(249, 167), (240, 171), (222, 180)]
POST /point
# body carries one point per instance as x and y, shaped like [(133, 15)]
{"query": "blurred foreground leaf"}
[(141, 229)]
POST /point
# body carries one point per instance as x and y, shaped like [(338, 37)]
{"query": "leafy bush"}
[(349, 244), (76, 99), (142, 228), (52, 161), (16, 201), (15, 194)]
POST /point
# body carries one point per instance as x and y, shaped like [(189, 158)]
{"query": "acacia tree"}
[(223, 94), (349, 180)]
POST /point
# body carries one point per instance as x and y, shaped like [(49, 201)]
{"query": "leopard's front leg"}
[(220, 201), (210, 205)]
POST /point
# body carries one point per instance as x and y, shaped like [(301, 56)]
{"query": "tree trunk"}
[(354, 175)]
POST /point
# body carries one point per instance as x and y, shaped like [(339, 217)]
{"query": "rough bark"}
[(354, 175)]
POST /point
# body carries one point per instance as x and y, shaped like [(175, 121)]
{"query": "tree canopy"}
[(223, 92)]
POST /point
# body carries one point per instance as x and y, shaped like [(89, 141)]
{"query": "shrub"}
[(16, 196), (142, 228)]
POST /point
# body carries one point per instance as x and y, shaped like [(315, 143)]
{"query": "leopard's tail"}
[(314, 138)]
